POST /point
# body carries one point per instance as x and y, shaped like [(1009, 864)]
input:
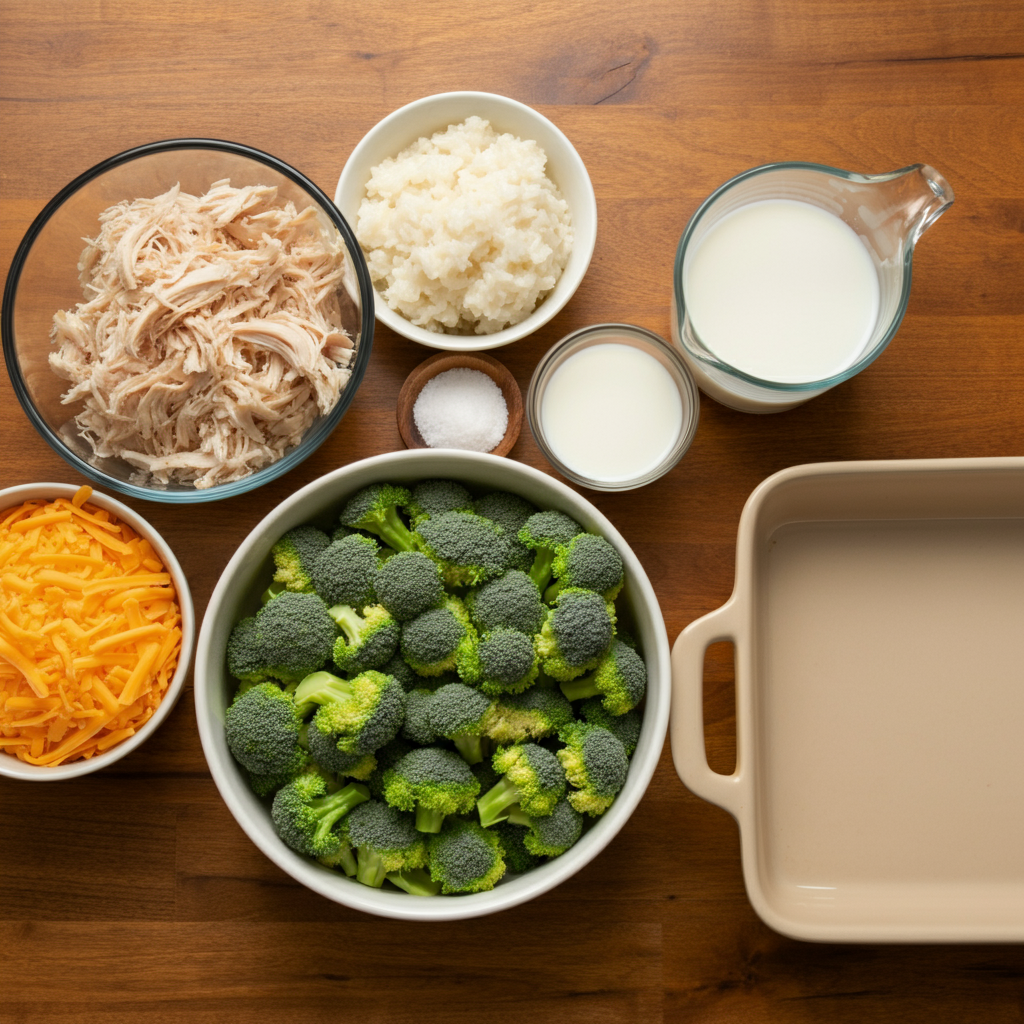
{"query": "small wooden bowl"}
[(460, 360)]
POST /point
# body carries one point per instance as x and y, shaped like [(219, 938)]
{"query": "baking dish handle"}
[(686, 725)]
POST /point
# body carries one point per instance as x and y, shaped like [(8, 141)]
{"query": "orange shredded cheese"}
[(90, 630)]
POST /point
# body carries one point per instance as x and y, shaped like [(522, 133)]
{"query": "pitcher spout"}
[(915, 198)]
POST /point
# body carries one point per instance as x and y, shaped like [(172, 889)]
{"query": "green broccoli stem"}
[(329, 809), (271, 592), (344, 858), (428, 820), (415, 881), (394, 532), (320, 688), (494, 803), (553, 591), (370, 869), (579, 689), (540, 571), (349, 620), (517, 816), (470, 746)]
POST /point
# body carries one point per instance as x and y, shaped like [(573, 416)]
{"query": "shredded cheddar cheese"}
[(90, 630)]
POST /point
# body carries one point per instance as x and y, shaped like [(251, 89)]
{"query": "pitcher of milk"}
[(792, 277)]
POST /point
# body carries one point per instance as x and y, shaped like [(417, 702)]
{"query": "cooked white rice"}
[(463, 232)]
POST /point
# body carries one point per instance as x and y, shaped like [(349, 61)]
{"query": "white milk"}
[(784, 291), (611, 412)]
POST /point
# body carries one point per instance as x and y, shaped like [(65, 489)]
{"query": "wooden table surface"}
[(132, 895)]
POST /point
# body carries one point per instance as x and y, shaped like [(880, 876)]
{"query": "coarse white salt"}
[(461, 408)]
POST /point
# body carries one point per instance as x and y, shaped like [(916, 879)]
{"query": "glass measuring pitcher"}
[(887, 213)]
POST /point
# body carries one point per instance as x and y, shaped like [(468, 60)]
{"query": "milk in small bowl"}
[(791, 278)]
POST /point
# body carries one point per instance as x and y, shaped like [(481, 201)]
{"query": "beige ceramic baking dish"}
[(878, 624)]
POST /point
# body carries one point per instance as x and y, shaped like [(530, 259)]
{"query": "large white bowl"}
[(432, 114), (11, 766), (248, 573)]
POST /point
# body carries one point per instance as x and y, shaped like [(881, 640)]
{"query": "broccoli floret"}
[(294, 555), (385, 839), (375, 509), (513, 847), (510, 512), (468, 548), (432, 497), (552, 834), (432, 641), (346, 730), (532, 778), (589, 562), (461, 714), (595, 764), (416, 882), (343, 857), (626, 728), (417, 727), (385, 757), (534, 714), (287, 639), (409, 584), (402, 671), (304, 814), (620, 678), (345, 571), (575, 634), (505, 662), (512, 601), (465, 858), (262, 727), (367, 641), (434, 783), (543, 533)]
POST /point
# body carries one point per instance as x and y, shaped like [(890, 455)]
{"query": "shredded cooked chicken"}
[(210, 337)]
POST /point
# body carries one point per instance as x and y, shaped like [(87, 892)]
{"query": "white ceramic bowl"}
[(11, 766), (237, 594), (431, 114)]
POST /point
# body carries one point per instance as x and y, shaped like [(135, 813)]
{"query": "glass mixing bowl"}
[(44, 278)]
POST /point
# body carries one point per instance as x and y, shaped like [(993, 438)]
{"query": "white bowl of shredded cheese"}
[(476, 215), (96, 635)]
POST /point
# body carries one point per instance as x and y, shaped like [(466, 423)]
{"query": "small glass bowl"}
[(44, 279), (647, 342)]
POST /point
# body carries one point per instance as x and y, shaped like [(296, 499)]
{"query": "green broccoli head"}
[(346, 731), (595, 764), (262, 727), (287, 639), (532, 777), (620, 679), (368, 641), (534, 714), (465, 858), (408, 584), (468, 548), (511, 601), (577, 631), (460, 714), (432, 642), (385, 839), (398, 667), (589, 562), (543, 533), (626, 728), (513, 846), (417, 727), (304, 814), (375, 509), (432, 497), (294, 555), (507, 662), (510, 512), (346, 570), (552, 834), (433, 783)]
